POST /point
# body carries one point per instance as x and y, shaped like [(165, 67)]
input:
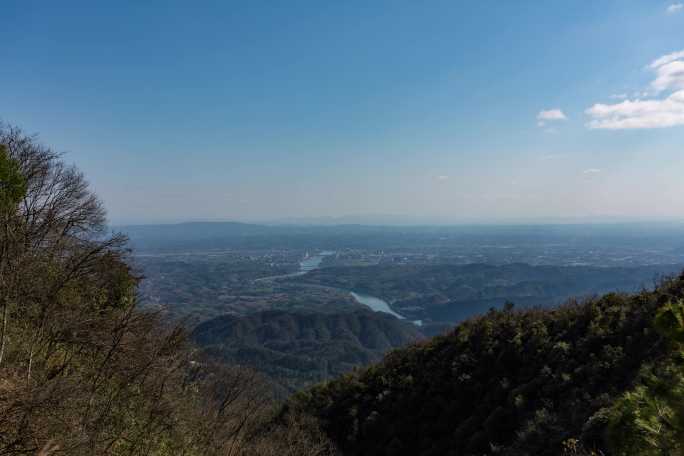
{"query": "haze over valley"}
[(432, 277)]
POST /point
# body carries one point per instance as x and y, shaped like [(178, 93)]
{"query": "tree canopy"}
[(602, 375)]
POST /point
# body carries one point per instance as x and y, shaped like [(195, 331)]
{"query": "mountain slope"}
[(298, 349), (510, 382)]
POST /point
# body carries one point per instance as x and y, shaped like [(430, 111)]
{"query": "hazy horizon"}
[(465, 113), (398, 220)]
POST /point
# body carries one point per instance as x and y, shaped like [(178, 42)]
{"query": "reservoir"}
[(374, 303)]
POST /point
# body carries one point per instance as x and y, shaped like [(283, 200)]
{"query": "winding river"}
[(309, 263)]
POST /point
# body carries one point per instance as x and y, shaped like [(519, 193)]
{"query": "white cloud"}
[(591, 171), (669, 76), (550, 115), (666, 59), (647, 113), (619, 96), (442, 178), (668, 112), (675, 8)]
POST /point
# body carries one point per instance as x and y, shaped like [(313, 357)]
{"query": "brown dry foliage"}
[(82, 370)]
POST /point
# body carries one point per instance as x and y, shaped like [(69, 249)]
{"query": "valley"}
[(264, 301)]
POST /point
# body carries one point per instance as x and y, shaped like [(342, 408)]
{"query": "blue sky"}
[(458, 111)]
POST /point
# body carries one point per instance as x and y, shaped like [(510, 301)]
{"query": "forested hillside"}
[(298, 349), (603, 375), (82, 370)]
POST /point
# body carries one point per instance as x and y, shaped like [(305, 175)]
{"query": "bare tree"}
[(82, 370)]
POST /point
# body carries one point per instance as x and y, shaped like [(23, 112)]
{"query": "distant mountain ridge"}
[(217, 235)]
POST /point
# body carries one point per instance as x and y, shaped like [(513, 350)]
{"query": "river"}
[(309, 263), (376, 304)]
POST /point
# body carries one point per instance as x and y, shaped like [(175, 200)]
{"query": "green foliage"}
[(670, 321), (649, 419), (512, 382), (12, 182)]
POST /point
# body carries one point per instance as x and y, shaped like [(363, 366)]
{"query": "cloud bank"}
[(667, 111)]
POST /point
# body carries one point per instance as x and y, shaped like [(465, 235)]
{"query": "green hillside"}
[(299, 349), (511, 382)]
